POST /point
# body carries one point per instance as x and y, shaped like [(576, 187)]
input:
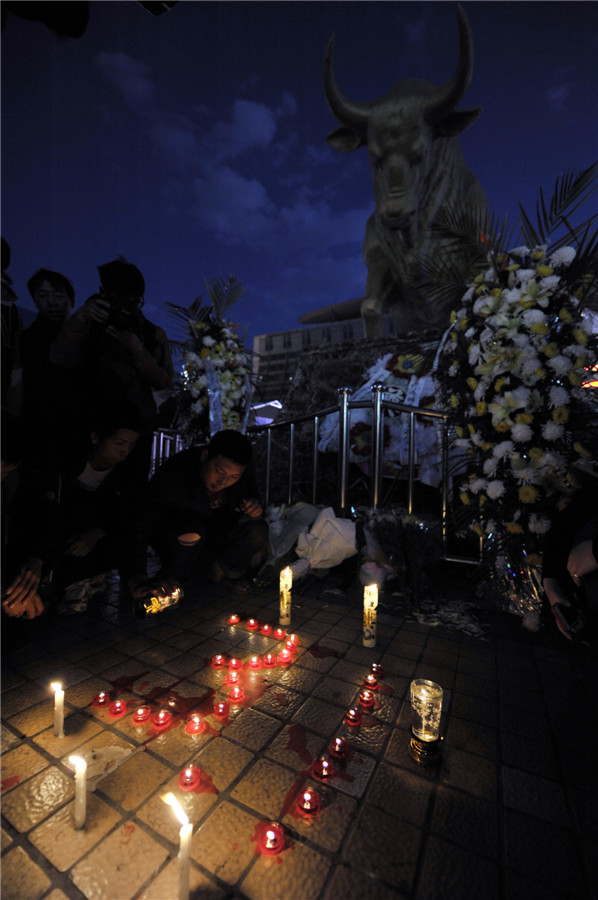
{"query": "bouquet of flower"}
[(512, 372), (214, 388)]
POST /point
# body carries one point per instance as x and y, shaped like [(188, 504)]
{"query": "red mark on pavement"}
[(297, 742), (321, 652), (10, 782), (206, 785), (128, 830)]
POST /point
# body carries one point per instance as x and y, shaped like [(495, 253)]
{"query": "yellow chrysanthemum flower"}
[(459, 431), (550, 349), (503, 426), (524, 419), (514, 527), (481, 408), (575, 378), (580, 336), (453, 316), (464, 498), (581, 450), (544, 271), (565, 315), (560, 415), (535, 453), (454, 401), (539, 328), (528, 493), (477, 528), (499, 383), (472, 383)]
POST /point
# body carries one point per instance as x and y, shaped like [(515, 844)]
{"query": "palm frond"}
[(571, 190), (224, 293)]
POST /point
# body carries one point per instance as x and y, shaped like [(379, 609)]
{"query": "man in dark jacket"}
[(201, 505)]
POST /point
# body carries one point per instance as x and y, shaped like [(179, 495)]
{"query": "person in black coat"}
[(200, 508)]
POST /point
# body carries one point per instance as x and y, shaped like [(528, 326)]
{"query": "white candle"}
[(370, 602), (286, 583), (185, 833), (80, 790), (58, 709)]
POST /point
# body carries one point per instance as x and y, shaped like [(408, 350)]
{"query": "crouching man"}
[(200, 509)]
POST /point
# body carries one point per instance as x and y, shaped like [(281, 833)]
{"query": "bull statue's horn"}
[(353, 114), (446, 98)]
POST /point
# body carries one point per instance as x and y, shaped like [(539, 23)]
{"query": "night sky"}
[(193, 143)]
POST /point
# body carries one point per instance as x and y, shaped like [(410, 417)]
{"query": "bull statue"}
[(417, 168)]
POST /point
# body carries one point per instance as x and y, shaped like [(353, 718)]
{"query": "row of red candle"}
[(162, 717), (269, 660)]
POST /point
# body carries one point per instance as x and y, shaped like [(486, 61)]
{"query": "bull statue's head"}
[(416, 166)]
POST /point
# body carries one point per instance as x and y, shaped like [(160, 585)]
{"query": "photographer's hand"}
[(97, 309), (128, 339)]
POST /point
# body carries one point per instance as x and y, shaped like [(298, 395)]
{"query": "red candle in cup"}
[(271, 839), (278, 633), (377, 670), (269, 660), (218, 661), (162, 718), (194, 724), (339, 747), (266, 629), (232, 677), (309, 801), (255, 662), (371, 681), (353, 717), (189, 778), (118, 708), (235, 694), (234, 619), (323, 768), (252, 624), (294, 640), (284, 657), (221, 709), (101, 699), (235, 663), (366, 698), (142, 714)]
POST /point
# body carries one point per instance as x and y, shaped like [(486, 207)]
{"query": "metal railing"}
[(378, 406)]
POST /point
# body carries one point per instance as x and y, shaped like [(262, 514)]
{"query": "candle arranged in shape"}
[(370, 604), (185, 833), (271, 840), (142, 714), (309, 801), (80, 790), (286, 583), (58, 709), (189, 778)]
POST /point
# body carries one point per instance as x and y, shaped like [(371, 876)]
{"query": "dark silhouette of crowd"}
[(80, 387)]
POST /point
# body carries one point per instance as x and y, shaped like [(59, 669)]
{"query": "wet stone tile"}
[(167, 884), (398, 665), (370, 738), (223, 761), (450, 872), (397, 753), (81, 694), (78, 728), (133, 645), (36, 718), (534, 795), (38, 798), (320, 658), (252, 729), (22, 697), (333, 690), (59, 841), (264, 788), (5, 840), (327, 827), (319, 716), (104, 659), (8, 740), (474, 774), (120, 866), (22, 879), (177, 747), (352, 775), (134, 781), (466, 820), (223, 844), (384, 846), (296, 678), (296, 872), (400, 793), (353, 884), (295, 747), (472, 737), (279, 702), (18, 765), (348, 671)]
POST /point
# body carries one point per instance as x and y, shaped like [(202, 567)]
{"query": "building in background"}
[(276, 355)]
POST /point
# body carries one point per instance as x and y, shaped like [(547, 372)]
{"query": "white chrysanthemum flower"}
[(495, 489), (512, 295), (560, 364), (470, 332), (558, 396), (503, 448), (474, 354), (218, 362), (588, 321), (208, 341), (554, 460), (519, 252), (453, 369), (552, 432), (531, 316), (524, 276), (477, 485), (490, 466), (477, 439), (202, 381), (479, 391), (197, 407), (529, 366), (538, 524), (564, 256), (527, 475), (521, 433), (549, 282), (520, 340), (490, 527)]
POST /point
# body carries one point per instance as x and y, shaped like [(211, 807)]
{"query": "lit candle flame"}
[(177, 808), (56, 686)]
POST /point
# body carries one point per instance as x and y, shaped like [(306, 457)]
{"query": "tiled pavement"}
[(510, 813)]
